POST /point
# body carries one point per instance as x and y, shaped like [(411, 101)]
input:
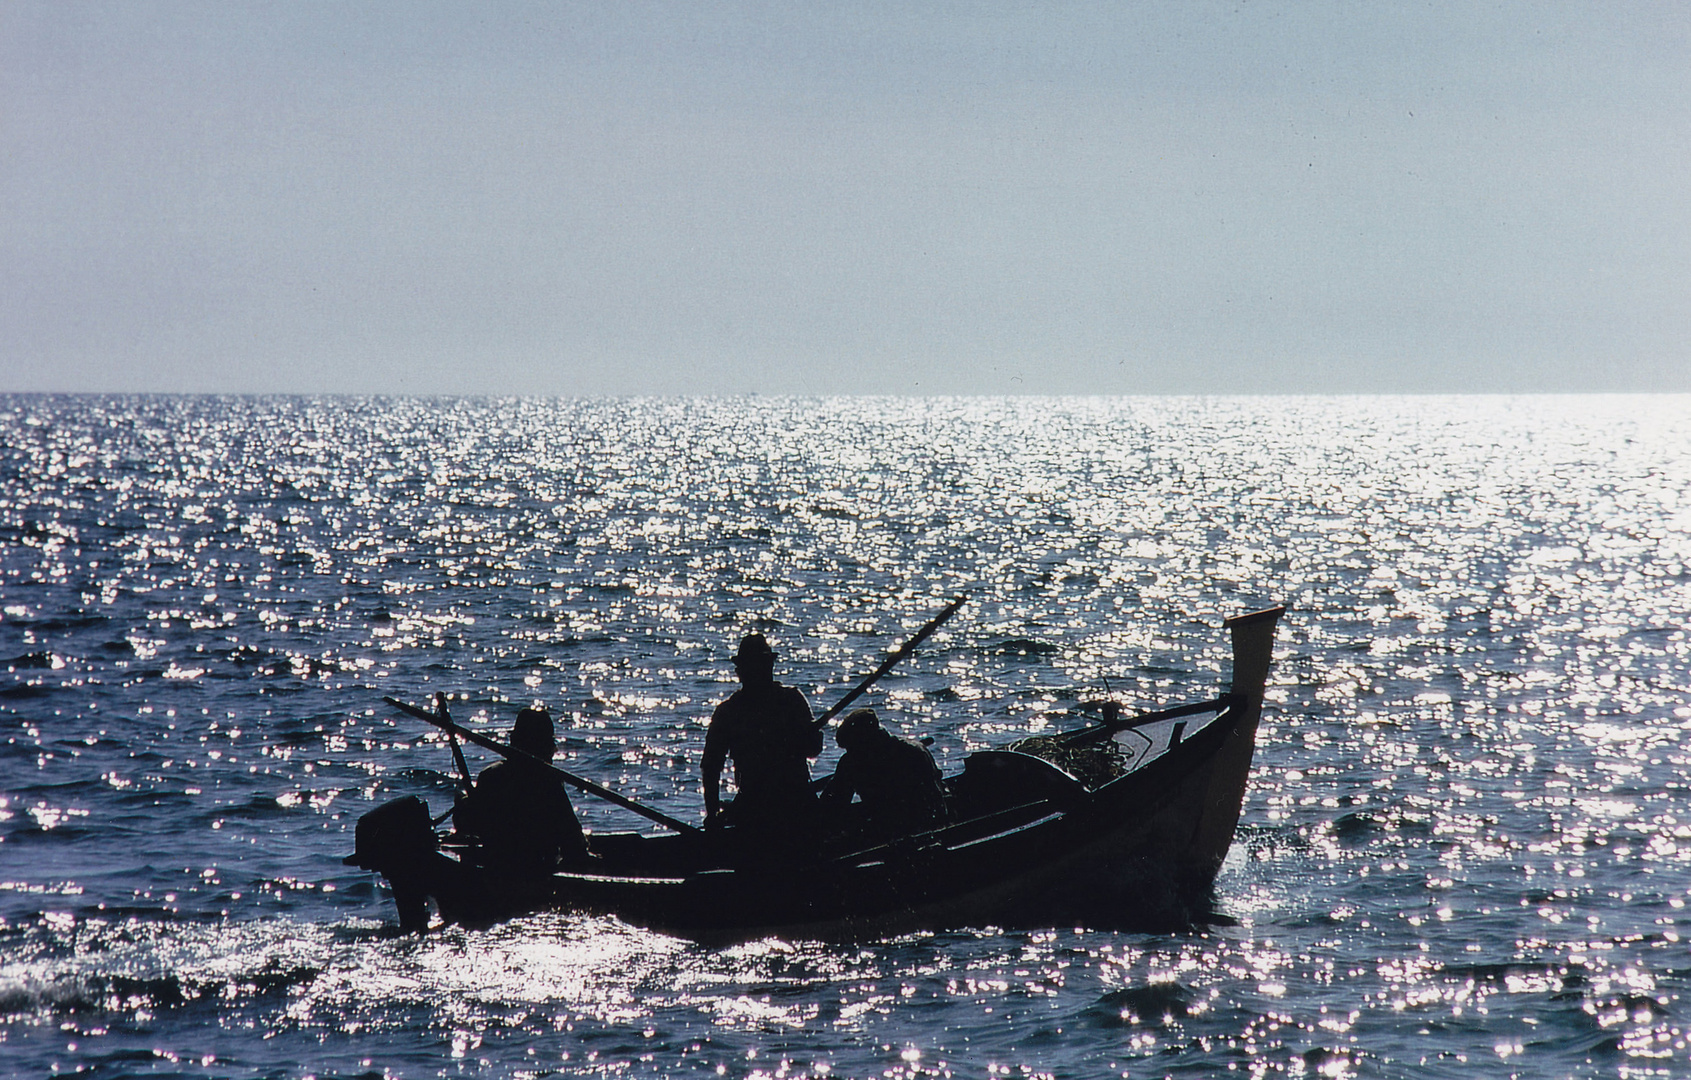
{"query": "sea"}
[(1465, 849)]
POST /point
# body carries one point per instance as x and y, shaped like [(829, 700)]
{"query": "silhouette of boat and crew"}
[(1120, 823)]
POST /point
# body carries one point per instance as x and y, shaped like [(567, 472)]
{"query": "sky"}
[(887, 198)]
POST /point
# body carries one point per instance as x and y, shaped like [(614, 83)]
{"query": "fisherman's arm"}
[(716, 754), (469, 811), (805, 728), (842, 785), (562, 823)]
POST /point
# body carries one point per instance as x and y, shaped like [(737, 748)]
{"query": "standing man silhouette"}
[(767, 730)]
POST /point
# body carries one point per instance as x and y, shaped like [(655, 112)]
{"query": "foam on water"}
[(1466, 844)]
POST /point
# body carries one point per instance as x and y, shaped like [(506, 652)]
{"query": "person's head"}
[(532, 733), (858, 730), (755, 660)]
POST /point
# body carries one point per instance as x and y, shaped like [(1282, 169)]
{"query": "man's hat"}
[(754, 647), (533, 733)]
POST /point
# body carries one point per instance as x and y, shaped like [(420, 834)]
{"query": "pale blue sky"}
[(889, 198)]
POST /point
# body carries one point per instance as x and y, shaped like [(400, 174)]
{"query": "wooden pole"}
[(457, 751), (903, 650)]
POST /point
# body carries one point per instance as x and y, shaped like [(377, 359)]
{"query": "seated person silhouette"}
[(897, 781), (767, 730), (518, 813)]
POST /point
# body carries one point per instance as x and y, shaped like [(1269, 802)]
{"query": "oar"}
[(903, 650), (511, 753)]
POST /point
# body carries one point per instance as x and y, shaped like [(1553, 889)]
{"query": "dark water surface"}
[(1466, 850)]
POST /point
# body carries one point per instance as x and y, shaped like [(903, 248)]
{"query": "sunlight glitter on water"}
[(1466, 843)]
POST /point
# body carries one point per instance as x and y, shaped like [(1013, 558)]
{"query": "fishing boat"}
[(1123, 822)]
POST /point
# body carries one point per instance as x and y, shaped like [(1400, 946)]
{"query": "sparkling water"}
[(1466, 849)]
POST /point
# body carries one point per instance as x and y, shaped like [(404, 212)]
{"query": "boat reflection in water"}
[(1120, 824)]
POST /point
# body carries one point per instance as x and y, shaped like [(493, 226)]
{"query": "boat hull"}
[(1096, 862)]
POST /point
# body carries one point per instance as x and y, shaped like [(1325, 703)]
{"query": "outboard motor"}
[(397, 840)]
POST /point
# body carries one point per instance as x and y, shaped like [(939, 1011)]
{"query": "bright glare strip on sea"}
[(1465, 845)]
